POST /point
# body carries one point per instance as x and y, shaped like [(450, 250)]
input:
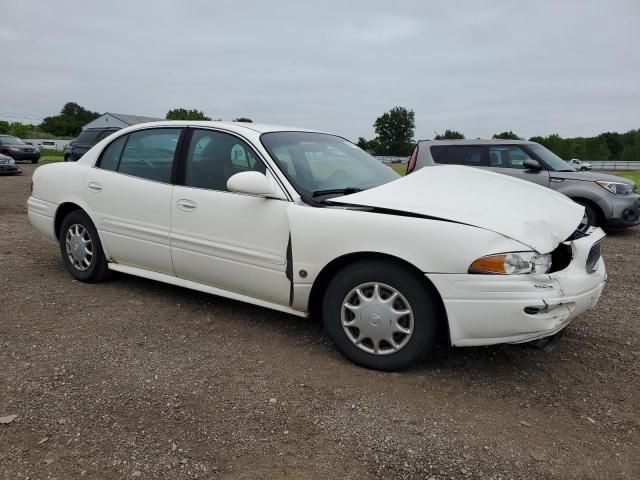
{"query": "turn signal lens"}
[(492, 264), (512, 263)]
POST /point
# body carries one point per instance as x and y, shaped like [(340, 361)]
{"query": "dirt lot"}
[(132, 378)]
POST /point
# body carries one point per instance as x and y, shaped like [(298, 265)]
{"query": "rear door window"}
[(469, 155), (507, 156), (149, 154), (111, 155)]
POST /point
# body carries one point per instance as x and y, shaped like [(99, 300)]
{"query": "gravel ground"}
[(133, 378)]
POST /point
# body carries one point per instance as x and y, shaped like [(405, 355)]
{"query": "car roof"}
[(237, 127), (477, 141)]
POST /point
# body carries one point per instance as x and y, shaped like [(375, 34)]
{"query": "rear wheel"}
[(380, 315), (81, 249)]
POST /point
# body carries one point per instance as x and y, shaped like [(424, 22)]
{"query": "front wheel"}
[(34, 161), (381, 315), (81, 250), (590, 217)]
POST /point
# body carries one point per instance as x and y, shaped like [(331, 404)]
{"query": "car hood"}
[(528, 213), (590, 177)]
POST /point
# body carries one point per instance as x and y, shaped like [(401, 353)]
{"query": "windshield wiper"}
[(343, 191)]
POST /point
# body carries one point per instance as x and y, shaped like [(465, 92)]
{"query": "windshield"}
[(324, 166), (554, 162), (9, 140)]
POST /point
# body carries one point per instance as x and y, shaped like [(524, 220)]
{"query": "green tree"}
[(506, 136), (184, 114), (614, 144), (243, 119), (20, 130), (4, 126), (371, 146), (395, 131), (69, 122), (450, 135)]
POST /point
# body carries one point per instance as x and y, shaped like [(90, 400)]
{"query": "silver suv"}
[(609, 201)]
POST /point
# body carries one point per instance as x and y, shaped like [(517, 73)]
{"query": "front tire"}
[(590, 218), (381, 315), (81, 249)]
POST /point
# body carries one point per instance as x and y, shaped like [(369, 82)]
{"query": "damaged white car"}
[(306, 222)]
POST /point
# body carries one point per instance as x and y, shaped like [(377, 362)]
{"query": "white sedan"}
[(307, 223)]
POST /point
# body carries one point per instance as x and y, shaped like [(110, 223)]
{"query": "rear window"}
[(470, 155), (88, 136)]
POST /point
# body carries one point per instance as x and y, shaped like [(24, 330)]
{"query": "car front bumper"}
[(10, 170), (491, 309), (25, 155), (625, 211)]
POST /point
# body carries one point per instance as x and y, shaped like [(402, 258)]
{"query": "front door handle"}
[(94, 187), (186, 205)]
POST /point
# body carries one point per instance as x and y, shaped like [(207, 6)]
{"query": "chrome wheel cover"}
[(79, 247), (377, 318)]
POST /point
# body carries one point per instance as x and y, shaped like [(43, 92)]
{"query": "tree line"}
[(395, 131), (72, 117), (394, 134)]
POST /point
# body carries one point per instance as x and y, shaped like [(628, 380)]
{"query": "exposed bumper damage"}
[(491, 309)]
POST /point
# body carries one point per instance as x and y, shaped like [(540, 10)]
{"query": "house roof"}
[(132, 119)]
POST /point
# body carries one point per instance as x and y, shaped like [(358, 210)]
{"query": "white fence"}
[(615, 165)]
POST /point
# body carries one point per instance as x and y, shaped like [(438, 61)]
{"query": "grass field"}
[(400, 168), (631, 175), (48, 156)]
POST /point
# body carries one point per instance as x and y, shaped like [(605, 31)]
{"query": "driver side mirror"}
[(251, 183), (531, 164)]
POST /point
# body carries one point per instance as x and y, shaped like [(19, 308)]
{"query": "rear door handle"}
[(94, 187), (186, 205)]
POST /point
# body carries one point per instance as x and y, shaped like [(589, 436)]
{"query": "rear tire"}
[(81, 249), (34, 161), (372, 332)]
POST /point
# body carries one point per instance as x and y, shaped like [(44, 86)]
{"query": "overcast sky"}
[(535, 67)]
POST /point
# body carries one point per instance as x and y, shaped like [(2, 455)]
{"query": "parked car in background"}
[(48, 145), (609, 201), (579, 165), (74, 150), (17, 149), (306, 222), (8, 166)]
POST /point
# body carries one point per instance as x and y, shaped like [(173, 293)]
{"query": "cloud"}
[(476, 66)]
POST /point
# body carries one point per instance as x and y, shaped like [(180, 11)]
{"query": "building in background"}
[(118, 120)]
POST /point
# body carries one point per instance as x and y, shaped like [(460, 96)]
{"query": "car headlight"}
[(14, 149), (11, 161), (617, 188), (513, 263)]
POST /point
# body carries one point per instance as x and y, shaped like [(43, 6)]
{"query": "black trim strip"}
[(289, 270), (390, 211)]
